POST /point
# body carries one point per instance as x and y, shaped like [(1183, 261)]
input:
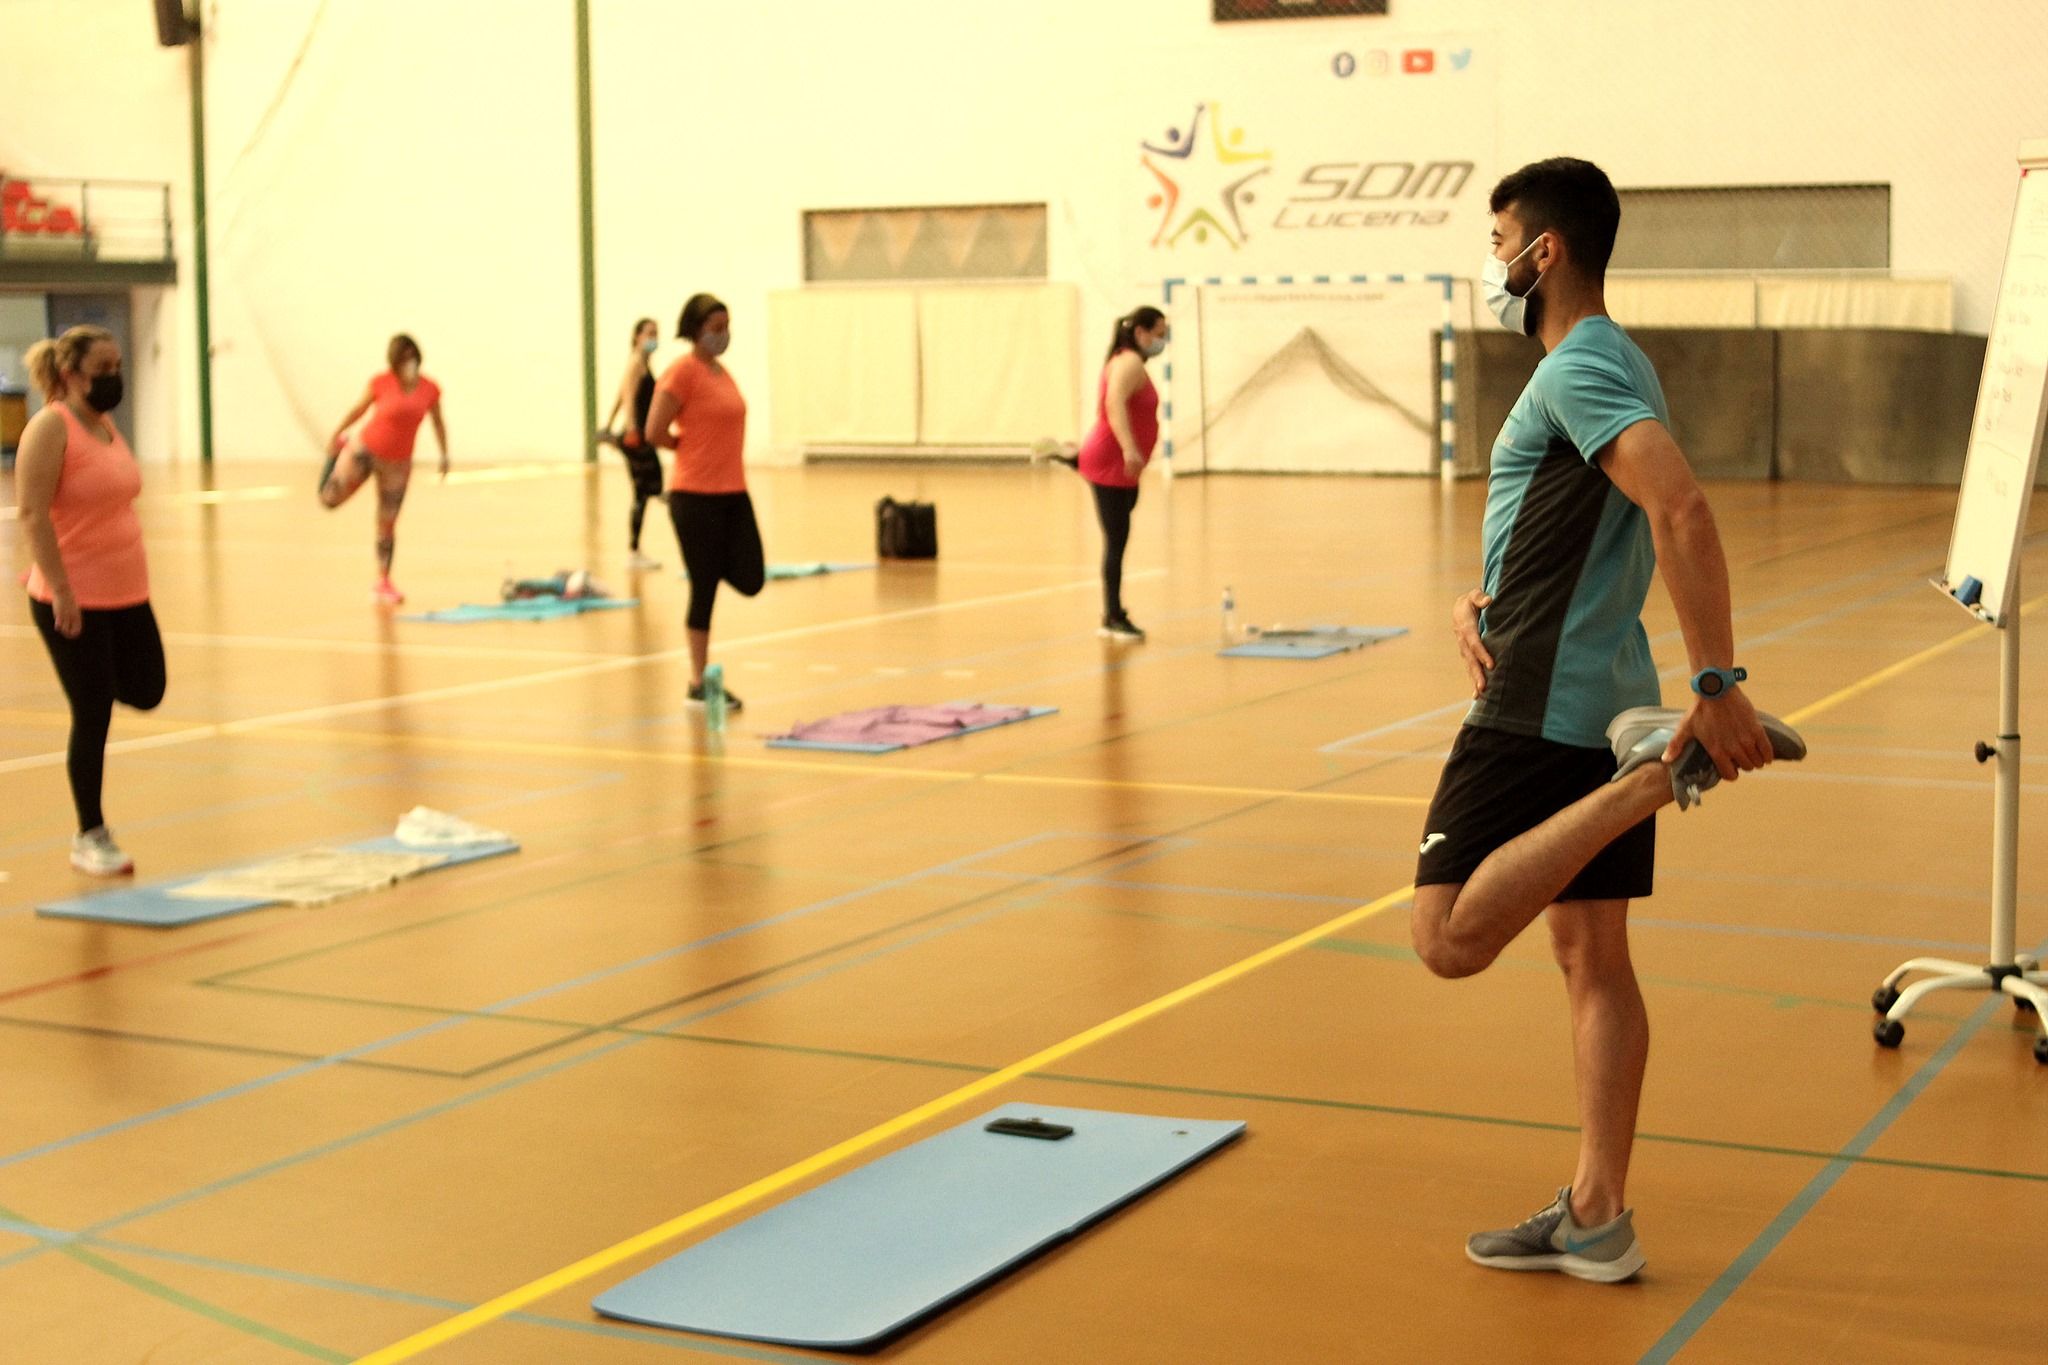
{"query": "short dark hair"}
[(1570, 197), (401, 346), (696, 313)]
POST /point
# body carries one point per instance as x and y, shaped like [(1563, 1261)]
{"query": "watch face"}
[(1711, 684)]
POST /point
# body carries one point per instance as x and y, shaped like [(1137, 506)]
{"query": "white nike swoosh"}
[(1432, 841)]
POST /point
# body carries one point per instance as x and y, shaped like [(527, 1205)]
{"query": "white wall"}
[(416, 167)]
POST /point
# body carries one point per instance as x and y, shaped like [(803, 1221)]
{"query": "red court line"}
[(95, 973)]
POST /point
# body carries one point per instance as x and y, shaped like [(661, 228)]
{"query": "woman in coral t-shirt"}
[(402, 398), (699, 414), (88, 583)]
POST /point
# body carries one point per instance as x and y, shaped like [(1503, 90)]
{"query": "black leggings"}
[(645, 467), (1113, 507), (118, 656), (720, 541)]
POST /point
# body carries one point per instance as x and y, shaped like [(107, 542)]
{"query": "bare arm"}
[(37, 467), (623, 402), (440, 433), (661, 419), (355, 414), (1126, 373), (1646, 464)]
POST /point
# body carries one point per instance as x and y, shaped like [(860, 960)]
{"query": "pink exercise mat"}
[(880, 729)]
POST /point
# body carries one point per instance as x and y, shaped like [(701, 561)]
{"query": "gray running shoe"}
[(1641, 734), (1550, 1240)]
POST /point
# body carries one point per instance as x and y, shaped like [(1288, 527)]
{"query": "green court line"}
[(156, 1289), (1395, 953), (209, 1045), (1356, 1106)]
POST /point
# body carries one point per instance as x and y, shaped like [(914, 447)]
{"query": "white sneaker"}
[(639, 561), (97, 855)]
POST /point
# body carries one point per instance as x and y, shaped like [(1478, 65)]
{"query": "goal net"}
[(1310, 378)]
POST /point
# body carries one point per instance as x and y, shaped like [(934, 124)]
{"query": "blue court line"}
[(514, 1082), (671, 1340), (440, 1025), (1723, 1288)]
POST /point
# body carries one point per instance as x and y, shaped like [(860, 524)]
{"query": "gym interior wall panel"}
[(998, 364), (1682, 300), (1876, 406), (1926, 305), (1720, 386), (842, 364)]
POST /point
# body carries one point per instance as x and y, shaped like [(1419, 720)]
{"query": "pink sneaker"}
[(386, 592)]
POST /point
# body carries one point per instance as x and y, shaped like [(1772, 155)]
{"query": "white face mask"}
[(409, 371), (714, 343), (1153, 348), (1512, 309)]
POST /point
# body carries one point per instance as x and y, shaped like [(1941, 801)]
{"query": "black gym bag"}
[(906, 530)]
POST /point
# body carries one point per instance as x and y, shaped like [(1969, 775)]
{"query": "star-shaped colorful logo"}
[(1210, 179)]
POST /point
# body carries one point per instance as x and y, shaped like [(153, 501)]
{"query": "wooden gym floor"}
[(298, 1135)]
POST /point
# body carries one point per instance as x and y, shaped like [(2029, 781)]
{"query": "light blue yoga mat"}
[(1315, 642), (778, 573), (525, 609), (841, 746), (154, 906), (851, 1262)]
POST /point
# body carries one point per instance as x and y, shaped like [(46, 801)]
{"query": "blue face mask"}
[(650, 344), (1510, 308)]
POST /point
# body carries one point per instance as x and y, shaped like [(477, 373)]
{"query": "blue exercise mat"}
[(816, 568), (523, 609), (1316, 642), (154, 906), (841, 746), (847, 1264)]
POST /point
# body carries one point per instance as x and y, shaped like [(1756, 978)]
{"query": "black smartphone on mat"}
[(1031, 1128)]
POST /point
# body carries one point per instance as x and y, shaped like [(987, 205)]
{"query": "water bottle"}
[(714, 696), (1229, 614)]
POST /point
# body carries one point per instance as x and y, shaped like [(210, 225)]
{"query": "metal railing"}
[(126, 221)]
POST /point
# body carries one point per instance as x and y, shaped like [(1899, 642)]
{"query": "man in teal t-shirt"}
[(1535, 812)]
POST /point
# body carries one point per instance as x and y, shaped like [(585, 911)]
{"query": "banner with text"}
[(1313, 157)]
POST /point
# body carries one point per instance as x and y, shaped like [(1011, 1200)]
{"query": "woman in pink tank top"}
[(1118, 448), (88, 584), (398, 400)]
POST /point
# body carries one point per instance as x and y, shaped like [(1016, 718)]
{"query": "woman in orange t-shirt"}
[(698, 413), (88, 584), (403, 398)]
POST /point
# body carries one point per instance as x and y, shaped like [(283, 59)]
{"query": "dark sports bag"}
[(906, 530)]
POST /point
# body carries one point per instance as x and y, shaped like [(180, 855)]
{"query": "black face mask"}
[(105, 393)]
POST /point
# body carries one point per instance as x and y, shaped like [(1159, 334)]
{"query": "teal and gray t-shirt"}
[(1568, 557)]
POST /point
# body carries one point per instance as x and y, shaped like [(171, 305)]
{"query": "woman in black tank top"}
[(636, 391)]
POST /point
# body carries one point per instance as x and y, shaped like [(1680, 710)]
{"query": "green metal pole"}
[(587, 226), (198, 83)]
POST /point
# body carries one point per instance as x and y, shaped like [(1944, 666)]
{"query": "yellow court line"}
[(1891, 671), (512, 1301), (538, 749), (613, 664)]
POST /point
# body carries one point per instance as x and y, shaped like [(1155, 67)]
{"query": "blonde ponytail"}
[(49, 361)]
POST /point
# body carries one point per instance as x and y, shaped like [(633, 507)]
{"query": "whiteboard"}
[(2012, 399)]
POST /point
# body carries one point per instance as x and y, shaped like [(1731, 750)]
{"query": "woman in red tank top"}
[(1118, 448), (88, 583), (402, 398)]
